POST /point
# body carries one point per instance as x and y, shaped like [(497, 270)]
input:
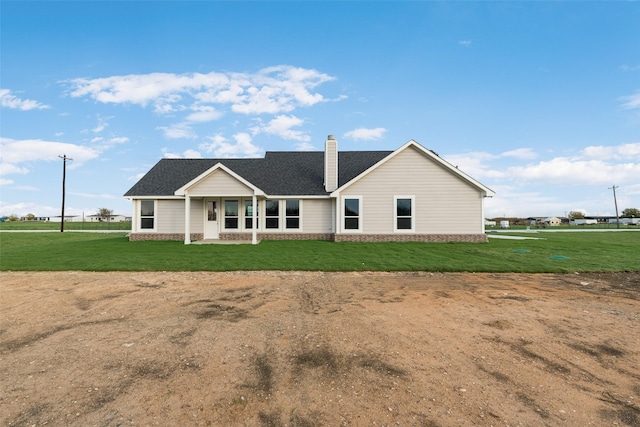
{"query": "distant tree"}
[(576, 215), (631, 213), (105, 214), (30, 217), (12, 217)]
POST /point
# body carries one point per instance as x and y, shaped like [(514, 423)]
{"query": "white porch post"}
[(338, 215), (254, 229), (187, 219), (134, 215)]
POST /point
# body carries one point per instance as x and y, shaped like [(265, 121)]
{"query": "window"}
[(248, 214), (230, 214), (403, 213), (147, 214), (292, 211), (212, 212), (272, 213), (352, 214)]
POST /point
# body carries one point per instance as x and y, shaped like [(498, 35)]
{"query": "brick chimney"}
[(331, 164)]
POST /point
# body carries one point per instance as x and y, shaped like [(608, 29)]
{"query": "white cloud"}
[(630, 67), (281, 126), (8, 100), (221, 147), (305, 146), (137, 177), (364, 134), (10, 169), (568, 171), (520, 153), (475, 164), (270, 90), (177, 131), (204, 114), (13, 152), (465, 43), (187, 154), (118, 140), (6, 181), (631, 102), (22, 209), (94, 196), (101, 126), (618, 152)]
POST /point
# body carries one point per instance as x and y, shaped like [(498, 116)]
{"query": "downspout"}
[(187, 219)]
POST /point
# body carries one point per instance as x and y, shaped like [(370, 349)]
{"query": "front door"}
[(211, 219)]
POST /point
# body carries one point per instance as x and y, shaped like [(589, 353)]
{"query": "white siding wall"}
[(444, 203), (220, 183), (197, 216), (170, 216), (317, 215)]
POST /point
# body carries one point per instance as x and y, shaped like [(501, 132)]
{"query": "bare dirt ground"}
[(319, 349)]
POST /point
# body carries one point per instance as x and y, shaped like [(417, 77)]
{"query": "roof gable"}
[(429, 154), (217, 167)]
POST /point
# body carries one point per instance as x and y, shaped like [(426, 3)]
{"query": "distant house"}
[(67, 218), (584, 221), (552, 221), (409, 194), (549, 221), (111, 218)]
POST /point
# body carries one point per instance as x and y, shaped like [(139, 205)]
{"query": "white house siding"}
[(444, 203), (317, 215), (170, 216), (220, 183)]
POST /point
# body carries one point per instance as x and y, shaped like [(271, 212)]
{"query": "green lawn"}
[(559, 252), (36, 225)]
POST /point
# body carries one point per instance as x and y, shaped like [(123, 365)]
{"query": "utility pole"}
[(615, 201), (64, 178)]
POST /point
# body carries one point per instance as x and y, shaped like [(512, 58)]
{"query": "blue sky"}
[(540, 101)]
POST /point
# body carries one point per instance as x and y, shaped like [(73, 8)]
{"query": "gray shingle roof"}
[(283, 173)]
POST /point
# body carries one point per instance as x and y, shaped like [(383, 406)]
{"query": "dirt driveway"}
[(319, 349)]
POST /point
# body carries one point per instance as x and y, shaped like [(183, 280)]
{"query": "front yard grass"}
[(557, 253)]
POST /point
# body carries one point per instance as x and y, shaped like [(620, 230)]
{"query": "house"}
[(584, 221), (67, 218), (110, 218), (409, 194), (550, 221)]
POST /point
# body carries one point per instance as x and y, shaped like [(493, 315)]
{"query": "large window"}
[(272, 214), (404, 208), (292, 219), (352, 218), (248, 214), (230, 214), (147, 214)]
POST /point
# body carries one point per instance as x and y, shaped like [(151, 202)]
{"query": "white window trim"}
[(155, 216), (413, 214), (223, 224), (245, 217), (360, 215), (284, 217), (265, 217)]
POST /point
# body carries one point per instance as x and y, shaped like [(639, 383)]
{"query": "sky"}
[(539, 101)]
